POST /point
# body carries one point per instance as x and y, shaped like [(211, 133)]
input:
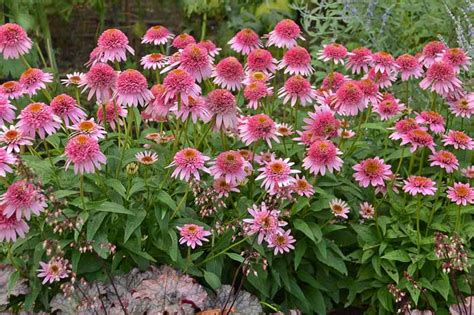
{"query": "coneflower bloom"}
[(442, 78), (113, 45), (38, 118), (297, 88), (11, 89), (90, 128), (258, 127), (188, 162), (461, 194), (349, 99), (322, 123), (333, 81), (33, 80), (433, 120), (383, 80), (53, 271), (113, 113), (296, 60), (132, 89), (74, 78), (283, 130), (333, 52), (468, 172), (383, 62), (463, 106), (13, 138), (223, 107), (180, 84), (261, 60), (21, 199), (305, 137), (183, 40), (229, 73), (402, 127), (459, 140), (157, 35), (11, 228), (100, 80), (302, 187), (195, 60), (223, 188), (154, 61), (195, 108), (14, 42), (444, 159), (146, 158), (322, 156), (284, 35), (367, 211), (277, 173), (65, 107), (372, 171), (430, 52), (245, 41), (388, 108), (192, 235), (84, 152), (359, 60), (281, 242), (230, 166), (211, 48), (339, 208), (370, 90), (418, 138), (345, 133), (255, 92), (264, 157), (159, 108), (419, 185), (6, 159), (7, 110), (458, 58), (264, 222), (409, 67), (257, 76)]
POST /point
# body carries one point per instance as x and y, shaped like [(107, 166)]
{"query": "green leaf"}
[(113, 207), (12, 281), (140, 253), (94, 224), (443, 286), (317, 301), (398, 255), (174, 245), (235, 257), (133, 222), (165, 198), (299, 252), (304, 227), (212, 279), (117, 185), (385, 299), (59, 194)]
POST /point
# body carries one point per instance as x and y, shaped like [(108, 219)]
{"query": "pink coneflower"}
[(90, 128), (370, 90), (277, 173), (53, 271), (463, 106), (100, 80), (468, 172), (402, 127), (383, 80), (419, 185), (211, 48), (245, 41), (349, 99), (367, 211), (409, 67), (229, 73), (388, 108), (333, 52), (66, 108), (297, 88), (113, 45), (192, 235), (94, 57), (458, 58), (359, 60), (132, 89), (13, 138), (372, 172), (223, 107), (188, 162), (157, 35), (11, 89), (284, 130), (230, 166), (195, 60), (305, 137), (281, 241), (322, 156), (84, 152), (302, 187), (223, 188), (258, 127), (154, 61), (146, 158), (159, 108), (195, 108), (264, 157), (345, 133), (333, 81), (21, 199), (442, 78), (431, 52), (434, 120), (296, 60), (322, 122), (257, 76), (74, 78), (38, 118), (264, 222), (444, 159), (383, 62), (183, 40), (461, 194), (113, 113), (11, 228), (14, 41), (6, 159), (339, 208), (459, 140), (180, 84), (34, 79), (284, 35), (261, 60), (255, 92), (7, 110), (418, 138)]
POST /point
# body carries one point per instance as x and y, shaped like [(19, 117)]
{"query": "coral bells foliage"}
[(84, 153)]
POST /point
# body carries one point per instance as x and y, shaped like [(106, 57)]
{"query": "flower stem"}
[(81, 187)]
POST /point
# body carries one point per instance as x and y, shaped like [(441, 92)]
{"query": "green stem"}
[(458, 219), (222, 251), (81, 188), (418, 233)]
